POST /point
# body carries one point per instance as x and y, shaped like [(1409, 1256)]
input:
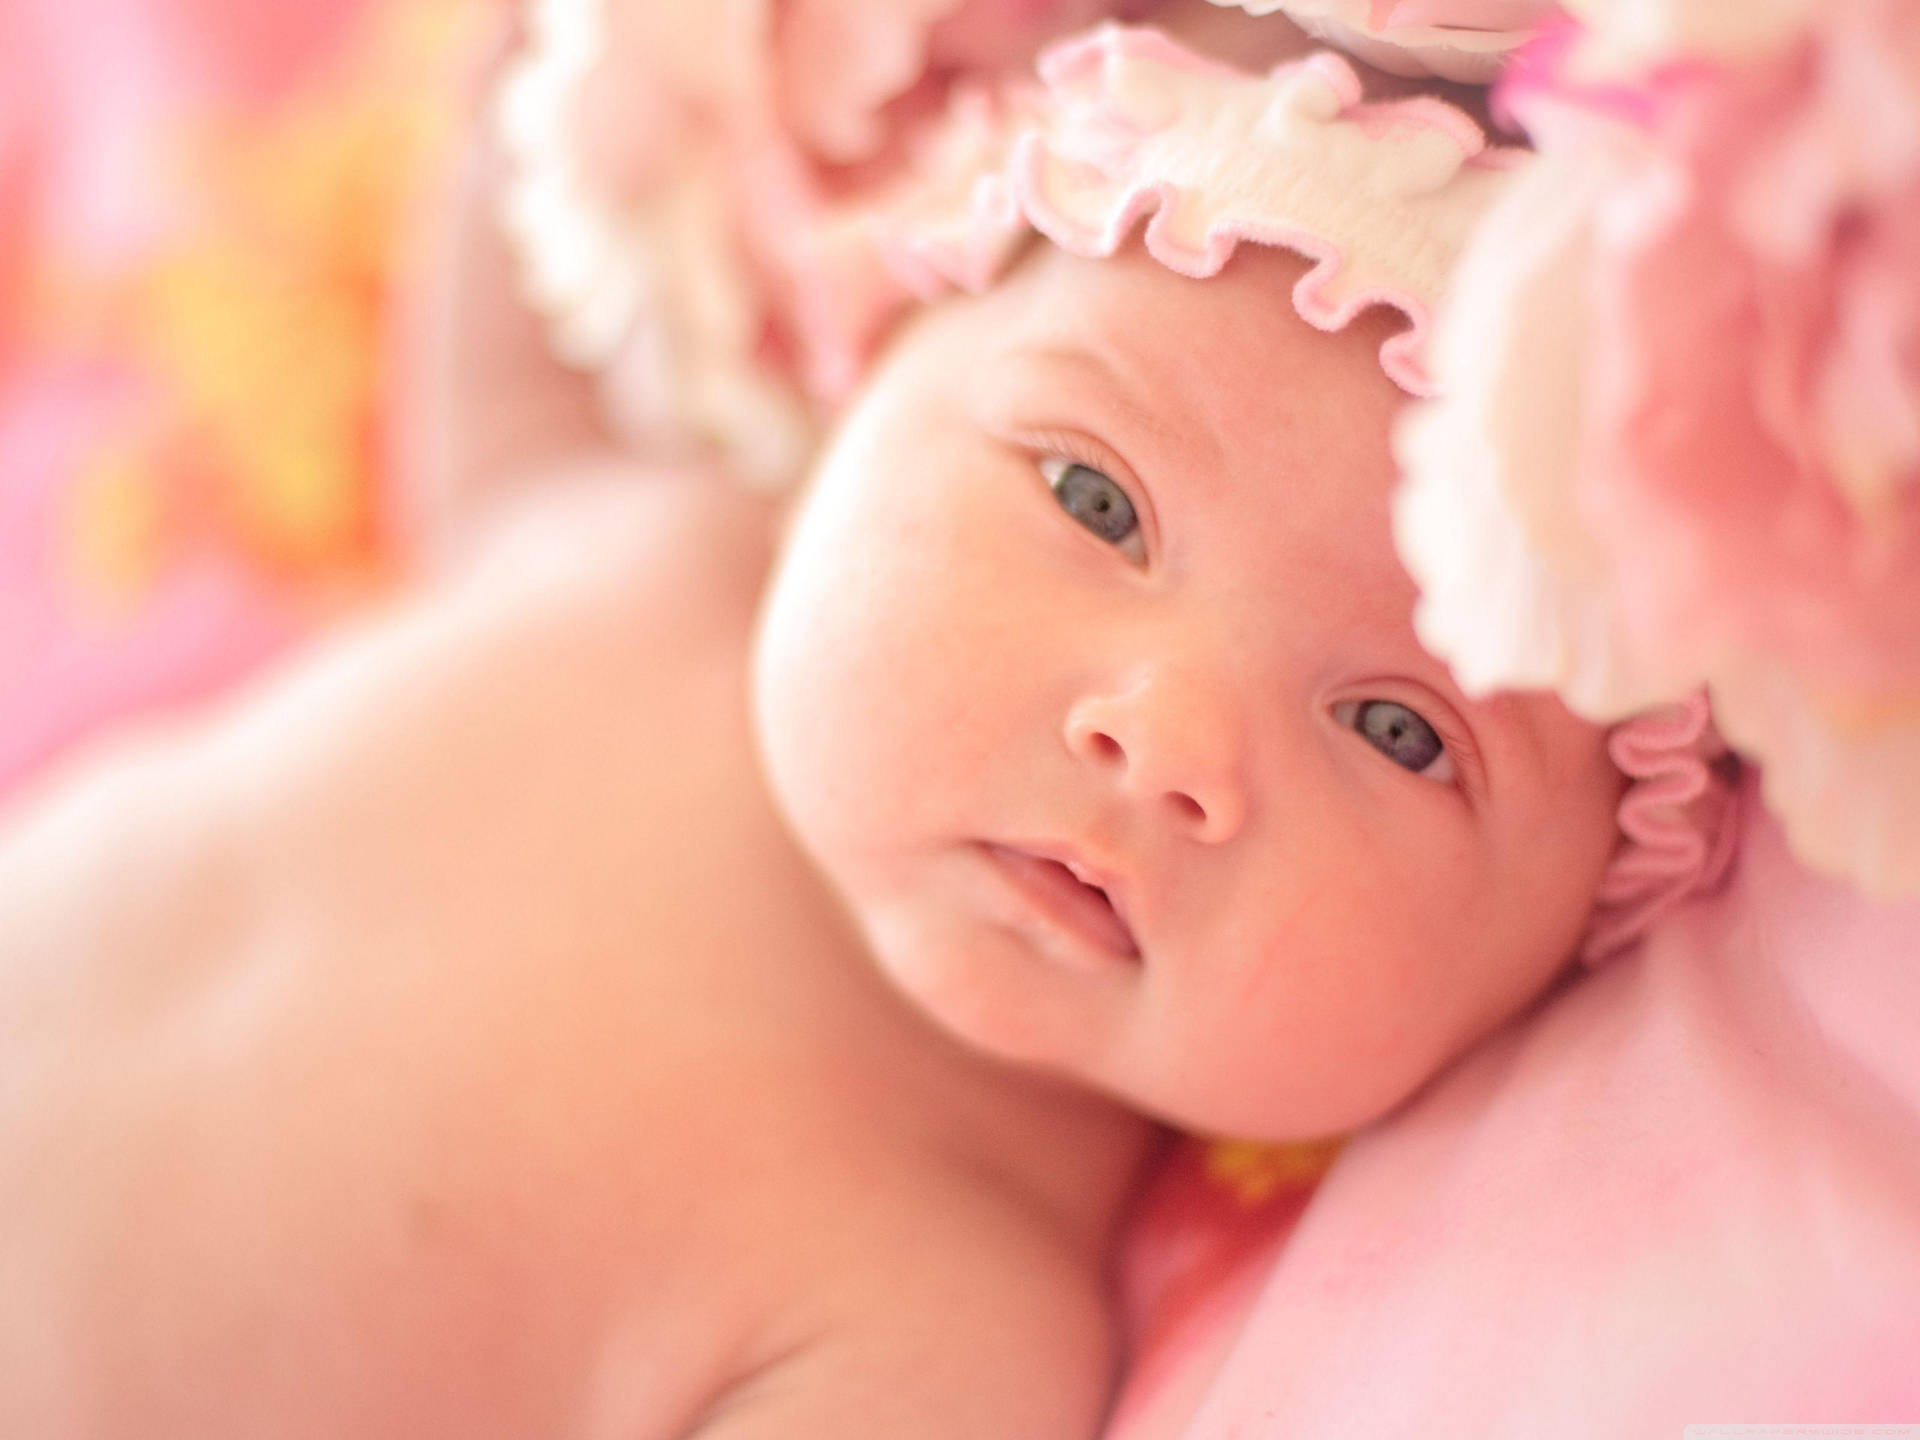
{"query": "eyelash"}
[(1077, 449), (1466, 757), (1469, 772)]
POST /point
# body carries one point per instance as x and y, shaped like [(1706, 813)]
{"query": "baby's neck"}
[(1075, 1154), (1071, 1155)]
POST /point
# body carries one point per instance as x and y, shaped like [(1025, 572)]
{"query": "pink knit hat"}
[(725, 246)]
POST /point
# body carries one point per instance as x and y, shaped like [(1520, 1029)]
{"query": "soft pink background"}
[(185, 185)]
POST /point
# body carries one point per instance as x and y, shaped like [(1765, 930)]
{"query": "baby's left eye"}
[(1097, 502), (1400, 734)]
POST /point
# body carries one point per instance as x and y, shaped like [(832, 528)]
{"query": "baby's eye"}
[(1097, 502), (1399, 734)]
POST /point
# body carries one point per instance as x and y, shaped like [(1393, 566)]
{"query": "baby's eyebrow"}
[(1118, 388), (1096, 365)]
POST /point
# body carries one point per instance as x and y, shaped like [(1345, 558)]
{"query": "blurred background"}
[(205, 208)]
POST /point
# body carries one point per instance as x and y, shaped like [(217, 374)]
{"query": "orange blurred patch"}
[(261, 327), (115, 518), (1254, 1173)]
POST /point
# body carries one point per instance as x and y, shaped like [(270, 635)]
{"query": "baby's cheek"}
[(860, 680), (804, 678), (1343, 1004)]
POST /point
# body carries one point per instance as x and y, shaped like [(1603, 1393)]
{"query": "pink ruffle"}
[(724, 208), (842, 63), (1677, 822), (1133, 127)]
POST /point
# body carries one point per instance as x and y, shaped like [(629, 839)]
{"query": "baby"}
[(703, 970)]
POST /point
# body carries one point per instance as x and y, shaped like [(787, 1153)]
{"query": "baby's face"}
[(1088, 678)]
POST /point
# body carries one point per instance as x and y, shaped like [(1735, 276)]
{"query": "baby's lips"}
[(1113, 889), (1090, 873)]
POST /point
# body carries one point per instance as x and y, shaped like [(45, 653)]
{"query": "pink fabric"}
[(841, 63), (1461, 40), (1205, 1230), (1136, 130), (1687, 1190), (720, 234), (1678, 822), (1679, 442)]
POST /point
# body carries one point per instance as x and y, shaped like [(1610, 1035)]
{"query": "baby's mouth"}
[(1065, 893)]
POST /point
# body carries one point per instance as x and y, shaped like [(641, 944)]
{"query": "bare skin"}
[(334, 1105)]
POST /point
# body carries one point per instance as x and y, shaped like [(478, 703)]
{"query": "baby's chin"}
[(1283, 1105), (1110, 1040)]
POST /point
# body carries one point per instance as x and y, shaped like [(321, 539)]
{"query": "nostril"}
[(1104, 747), (1190, 809)]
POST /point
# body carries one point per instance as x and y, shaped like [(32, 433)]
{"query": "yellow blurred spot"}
[(278, 371), (114, 527), (1256, 1172), (266, 324)]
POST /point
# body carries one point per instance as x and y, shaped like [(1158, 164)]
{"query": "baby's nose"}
[(1169, 739)]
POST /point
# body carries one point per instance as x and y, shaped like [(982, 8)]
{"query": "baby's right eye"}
[(1401, 734), (1097, 502)]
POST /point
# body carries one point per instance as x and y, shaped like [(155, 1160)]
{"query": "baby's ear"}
[(482, 408)]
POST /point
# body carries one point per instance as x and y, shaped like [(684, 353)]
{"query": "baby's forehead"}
[(1225, 386), (1228, 353)]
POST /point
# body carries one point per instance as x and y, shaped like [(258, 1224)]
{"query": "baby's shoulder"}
[(673, 554), (595, 630), (492, 741)]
